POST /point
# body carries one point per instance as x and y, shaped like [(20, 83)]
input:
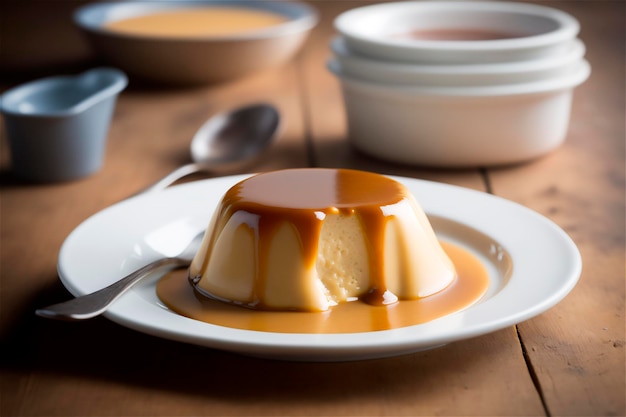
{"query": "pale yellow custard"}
[(197, 22), (309, 239)]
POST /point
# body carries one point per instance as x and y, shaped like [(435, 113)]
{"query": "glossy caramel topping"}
[(303, 198), (316, 190)]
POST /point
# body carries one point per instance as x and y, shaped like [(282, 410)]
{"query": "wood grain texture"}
[(567, 361), (98, 376), (576, 349)]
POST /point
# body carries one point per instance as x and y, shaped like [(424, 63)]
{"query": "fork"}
[(96, 303)]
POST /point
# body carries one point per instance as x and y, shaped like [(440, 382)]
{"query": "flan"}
[(309, 239)]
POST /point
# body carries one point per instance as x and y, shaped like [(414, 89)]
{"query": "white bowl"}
[(459, 126), (195, 59), (383, 31), (368, 69)]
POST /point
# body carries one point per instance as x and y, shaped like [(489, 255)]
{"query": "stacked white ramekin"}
[(458, 103)]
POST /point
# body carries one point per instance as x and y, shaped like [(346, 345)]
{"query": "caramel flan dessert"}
[(309, 239)]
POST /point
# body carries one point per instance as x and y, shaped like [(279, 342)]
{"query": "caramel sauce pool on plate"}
[(303, 198), (471, 284), (197, 22)]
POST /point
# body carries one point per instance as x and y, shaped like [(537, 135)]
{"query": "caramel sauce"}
[(197, 22), (350, 317), (459, 35), (303, 198)]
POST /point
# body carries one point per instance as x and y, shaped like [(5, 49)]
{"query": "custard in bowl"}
[(196, 42)]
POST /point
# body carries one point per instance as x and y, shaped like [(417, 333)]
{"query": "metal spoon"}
[(228, 140), (96, 303)]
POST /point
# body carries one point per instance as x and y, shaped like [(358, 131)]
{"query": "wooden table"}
[(567, 361)]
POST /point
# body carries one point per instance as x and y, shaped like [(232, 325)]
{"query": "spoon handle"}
[(175, 175), (91, 305)]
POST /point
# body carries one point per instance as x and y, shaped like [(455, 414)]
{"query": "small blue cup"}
[(57, 127)]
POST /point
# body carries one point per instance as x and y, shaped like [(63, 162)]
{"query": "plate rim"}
[(155, 320)]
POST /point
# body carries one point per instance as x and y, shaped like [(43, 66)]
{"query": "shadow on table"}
[(99, 349)]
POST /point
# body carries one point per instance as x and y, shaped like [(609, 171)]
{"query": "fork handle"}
[(94, 304)]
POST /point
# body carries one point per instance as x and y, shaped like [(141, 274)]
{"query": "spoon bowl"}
[(235, 137), (228, 141)]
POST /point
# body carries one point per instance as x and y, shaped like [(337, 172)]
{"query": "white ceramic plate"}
[(545, 267)]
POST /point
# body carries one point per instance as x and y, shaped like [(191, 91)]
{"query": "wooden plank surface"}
[(568, 361), (579, 344)]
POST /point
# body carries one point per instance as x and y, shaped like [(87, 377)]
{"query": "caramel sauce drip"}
[(470, 285), (303, 198)]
